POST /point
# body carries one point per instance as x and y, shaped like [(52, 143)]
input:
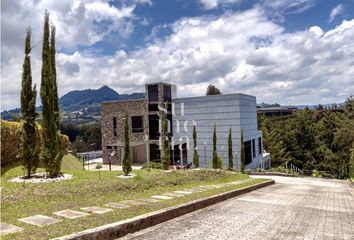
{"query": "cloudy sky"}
[(286, 51)]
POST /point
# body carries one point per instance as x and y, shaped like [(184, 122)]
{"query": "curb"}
[(273, 174), (122, 228)]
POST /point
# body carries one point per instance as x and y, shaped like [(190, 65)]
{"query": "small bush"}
[(219, 162), (98, 166), (153, 165)]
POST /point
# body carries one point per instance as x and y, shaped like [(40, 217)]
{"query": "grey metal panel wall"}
[(233, 110)]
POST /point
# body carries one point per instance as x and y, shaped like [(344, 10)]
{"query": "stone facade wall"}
[(116, 109)]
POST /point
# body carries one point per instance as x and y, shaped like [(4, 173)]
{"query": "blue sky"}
[(286, 51)]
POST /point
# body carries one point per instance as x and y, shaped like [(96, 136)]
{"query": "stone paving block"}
[(97, 210), (71, 214), (162, 197), (8, 228), (116, 205), (39, 220), (133, 202), (183, 192), (150, 200), (206, 187), (196, 190), (172, 194)]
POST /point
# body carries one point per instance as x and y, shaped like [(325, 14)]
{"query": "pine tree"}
[(127, 166), (29, 150), (215, 155), (231, 160), (243, 156), (51, 152), (195, 152), (166, 155)]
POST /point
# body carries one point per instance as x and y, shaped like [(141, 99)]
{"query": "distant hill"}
[(81, 106), (91, 96)]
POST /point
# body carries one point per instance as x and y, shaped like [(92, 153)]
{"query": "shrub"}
[(219, 162), (153, 165), (10, 141)]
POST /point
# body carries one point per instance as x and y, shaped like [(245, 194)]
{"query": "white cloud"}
[(210, 4), (335, 12), (237, 51), (289, 6)]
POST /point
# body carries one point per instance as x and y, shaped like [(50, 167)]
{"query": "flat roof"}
[(124, 100), (217, 95)]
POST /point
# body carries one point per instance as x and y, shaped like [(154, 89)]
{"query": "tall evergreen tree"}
[(166, 155), (231, 160), (51, 152), (195, 151), (127, 165), (243, 156), (29, 150), (215, 154), (54, 76)]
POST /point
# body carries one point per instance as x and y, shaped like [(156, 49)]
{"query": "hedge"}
[(11, 140)]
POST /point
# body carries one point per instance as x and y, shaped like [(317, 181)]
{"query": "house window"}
[(153, 93), (153, 107), (115, 126), (137, 124), (109, 147), (254, 148), (166, 93), (259, 146), (154, 126)]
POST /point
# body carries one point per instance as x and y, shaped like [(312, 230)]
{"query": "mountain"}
[(81, 106), (91, 96)]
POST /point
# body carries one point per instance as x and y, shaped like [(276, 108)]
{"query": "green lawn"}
[(70, 162), (20, 200)]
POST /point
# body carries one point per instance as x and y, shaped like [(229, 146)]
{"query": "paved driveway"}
[(293, 208)]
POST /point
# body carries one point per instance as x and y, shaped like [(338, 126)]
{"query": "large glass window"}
[(259, 146), (137, 124), (155, 153), (153, 107), (153, 93), (167, 93), (154, 126), (248, 152)]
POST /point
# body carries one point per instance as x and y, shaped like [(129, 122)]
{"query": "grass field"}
[(70, 162), (20, 200)]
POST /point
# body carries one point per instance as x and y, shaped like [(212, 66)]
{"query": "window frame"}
[(141, 128)]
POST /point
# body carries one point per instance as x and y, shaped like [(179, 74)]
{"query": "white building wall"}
[(228, 110)]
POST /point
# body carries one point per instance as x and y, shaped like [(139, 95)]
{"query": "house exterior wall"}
[(111, 143), (237, 111)]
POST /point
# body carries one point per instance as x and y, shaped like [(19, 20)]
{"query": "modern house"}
[(236, 111)]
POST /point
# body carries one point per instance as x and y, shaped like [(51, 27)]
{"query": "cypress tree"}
[(54, 76), (231, 163), (166, 155), (215, 155), (29, 150), (51, 152), (127, 166), (243, 156), (195, 153)]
